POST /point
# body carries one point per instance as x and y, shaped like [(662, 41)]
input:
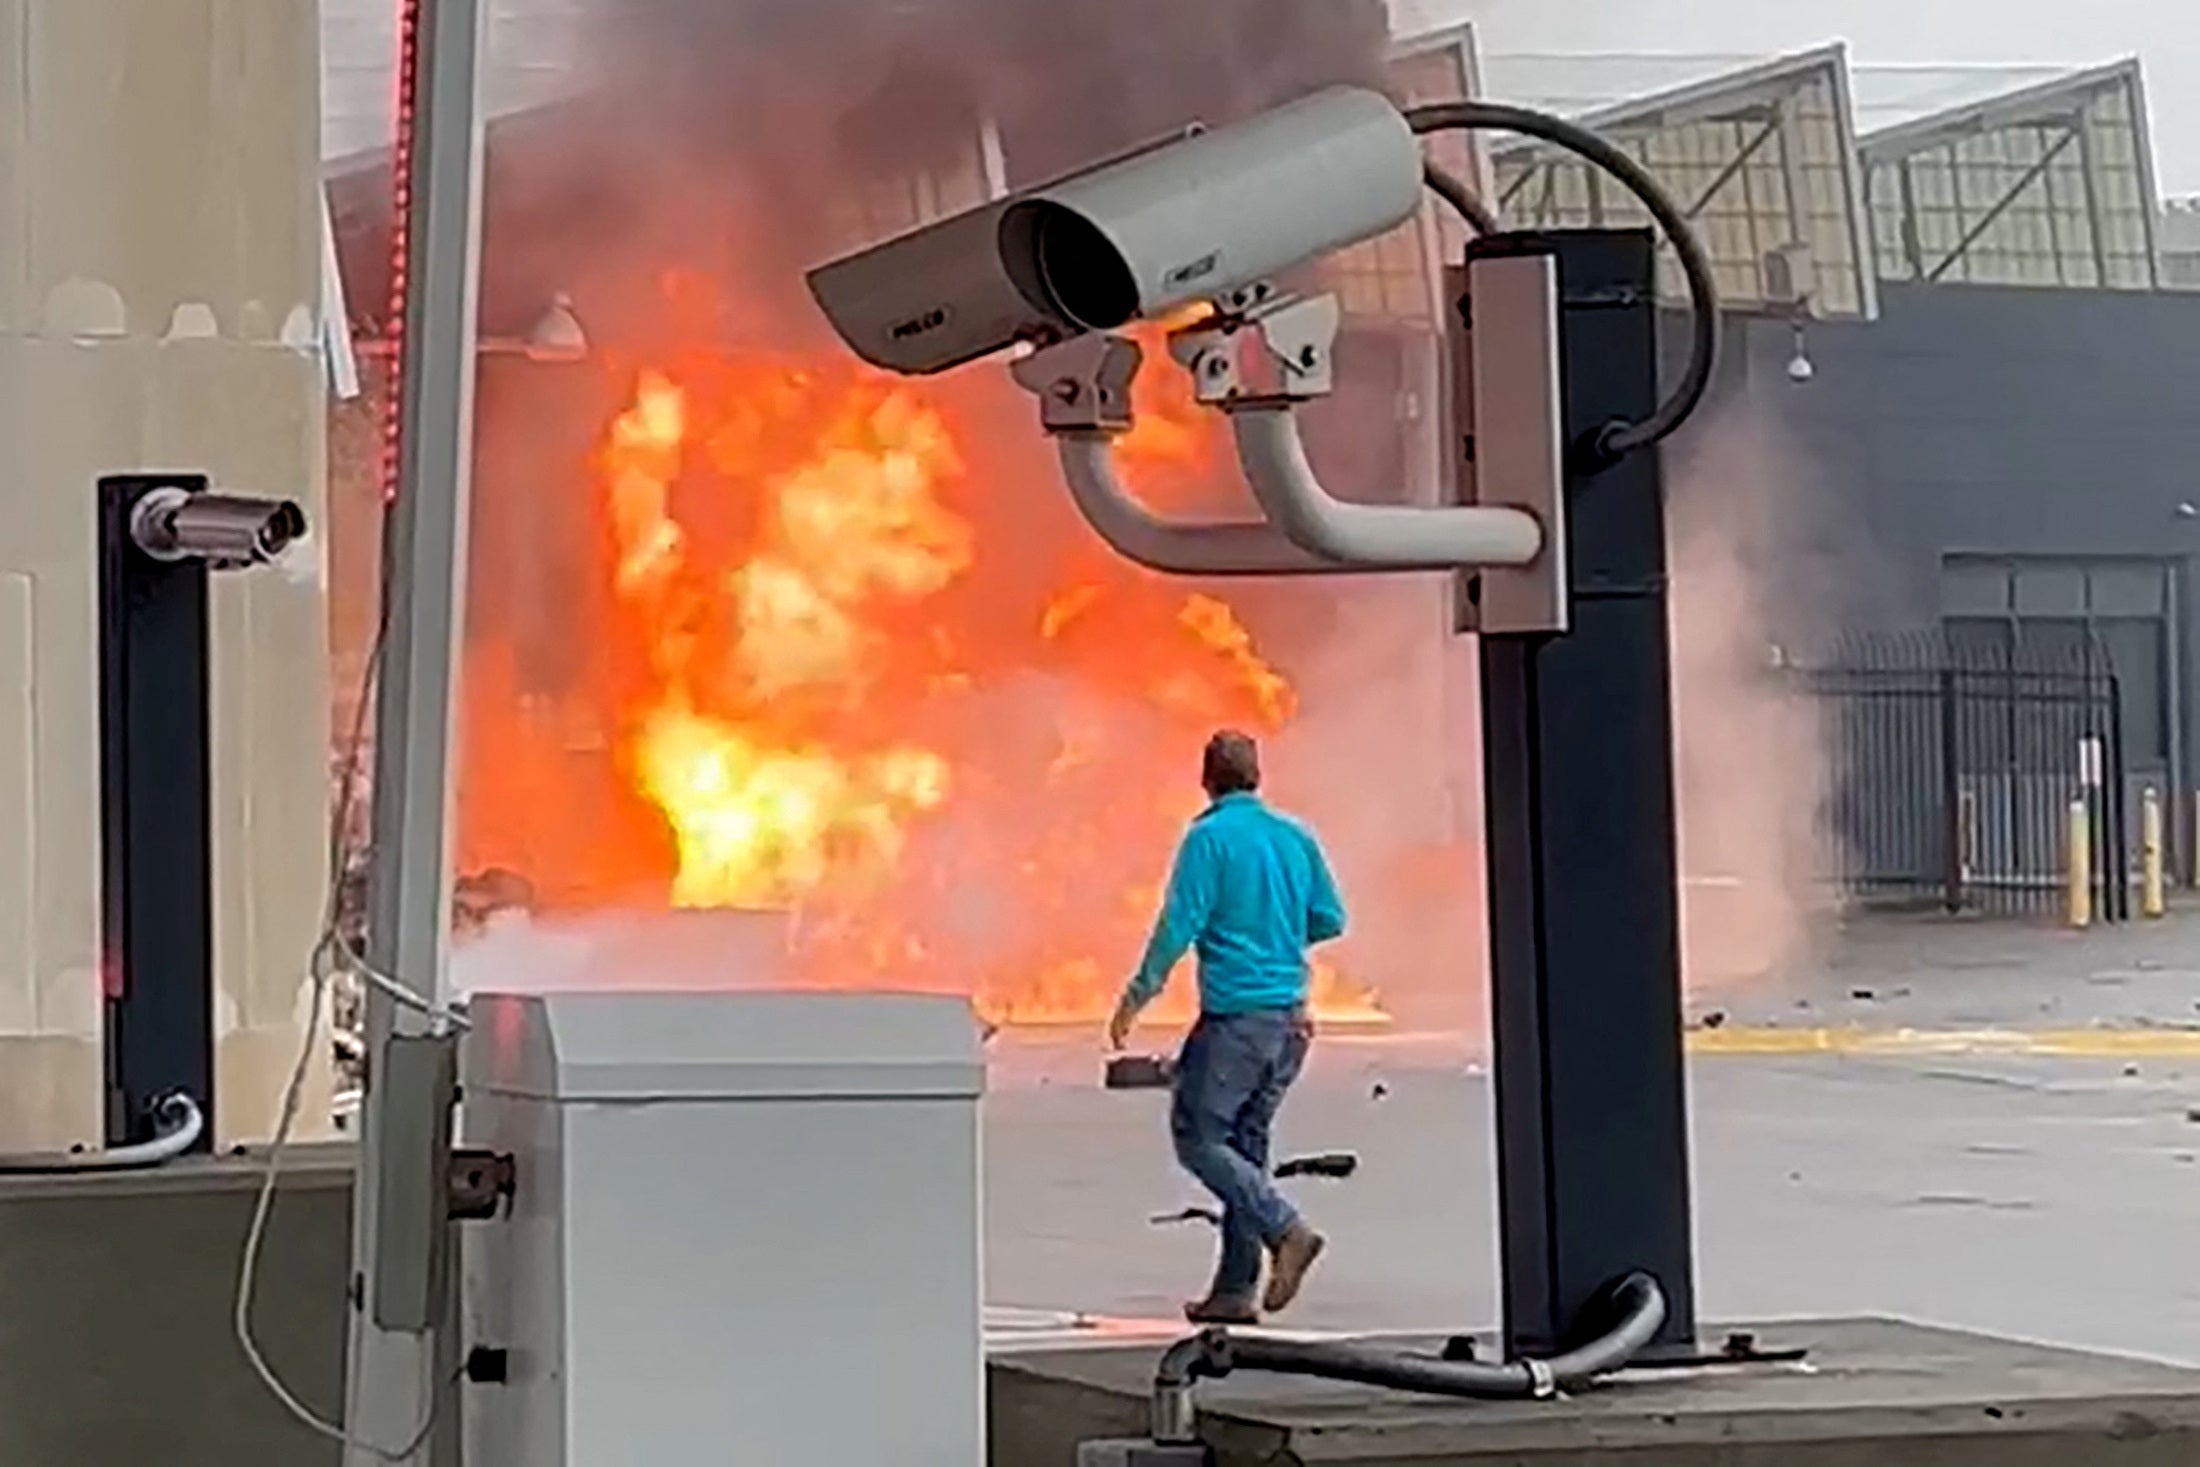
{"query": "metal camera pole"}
[(1585, 966), (161, 538), (400, 1363)]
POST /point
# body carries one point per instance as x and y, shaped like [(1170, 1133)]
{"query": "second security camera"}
[(1188, 220), (225, 530)]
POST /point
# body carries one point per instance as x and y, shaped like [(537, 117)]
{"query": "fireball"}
[(846, 666)]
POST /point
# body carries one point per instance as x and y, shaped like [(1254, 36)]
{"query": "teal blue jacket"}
[(1251, 892)]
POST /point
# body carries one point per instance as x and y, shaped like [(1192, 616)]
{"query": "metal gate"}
[(1952, 771)]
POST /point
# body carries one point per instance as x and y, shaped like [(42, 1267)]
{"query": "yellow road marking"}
[(2065, 1043)]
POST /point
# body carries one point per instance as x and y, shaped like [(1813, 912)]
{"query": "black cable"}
[(1464, 201), (1614, 439), (1637, 1302)]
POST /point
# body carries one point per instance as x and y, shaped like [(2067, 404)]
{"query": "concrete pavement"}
[(1935, 974), (2042, 1195)]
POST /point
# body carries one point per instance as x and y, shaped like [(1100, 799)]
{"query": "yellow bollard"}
[(2078, 863), (2152, 901)]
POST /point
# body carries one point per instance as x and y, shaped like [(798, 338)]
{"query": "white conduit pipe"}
[(180, 1121), (1178, 548), (1369, 536)]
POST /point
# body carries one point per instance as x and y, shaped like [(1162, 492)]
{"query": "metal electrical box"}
[(745, 1229)]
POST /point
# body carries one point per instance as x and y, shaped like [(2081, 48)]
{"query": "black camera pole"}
[(1584, 901), (156, 858), (160, 535)]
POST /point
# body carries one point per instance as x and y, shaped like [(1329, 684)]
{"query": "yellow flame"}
[(761, 820), (758, 827)]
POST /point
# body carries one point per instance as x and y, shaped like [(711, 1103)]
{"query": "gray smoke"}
[(721, 138), (712, 126), (727, 139), (882, 84), (1750, 759)]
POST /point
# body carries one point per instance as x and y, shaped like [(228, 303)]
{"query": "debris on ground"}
[(1330, 1166)]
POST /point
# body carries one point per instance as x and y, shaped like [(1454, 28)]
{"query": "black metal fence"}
[(1952, 770)]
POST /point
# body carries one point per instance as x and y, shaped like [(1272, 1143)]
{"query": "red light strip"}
[(408, 84)]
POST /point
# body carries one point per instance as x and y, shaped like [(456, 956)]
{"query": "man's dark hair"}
[(1231, 765)]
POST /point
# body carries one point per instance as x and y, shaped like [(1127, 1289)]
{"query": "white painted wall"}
[(160, 274)]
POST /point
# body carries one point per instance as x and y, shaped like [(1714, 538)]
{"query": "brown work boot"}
[(1223, 1309), (1290, 1260)]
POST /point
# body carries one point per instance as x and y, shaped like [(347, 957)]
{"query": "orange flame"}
[(1083, 991), (1218, 627), (842, 667), (1169, 429)]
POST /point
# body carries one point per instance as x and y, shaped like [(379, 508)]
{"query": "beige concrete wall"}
[(159, 275)]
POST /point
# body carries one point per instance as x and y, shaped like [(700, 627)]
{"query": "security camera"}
[(1217, 212), (933, 299), (1196, 218), (225, 530), (1800, 367), (941, 295)]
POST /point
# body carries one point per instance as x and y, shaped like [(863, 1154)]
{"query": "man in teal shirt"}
[(1250, 892)]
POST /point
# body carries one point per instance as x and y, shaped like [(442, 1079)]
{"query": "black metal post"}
[(156, 894), (1592, 1115)]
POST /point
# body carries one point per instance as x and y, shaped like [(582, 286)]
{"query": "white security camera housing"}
[(1801, 368), (1215, 212), (933, 299), (1191, 219), (941, 295)]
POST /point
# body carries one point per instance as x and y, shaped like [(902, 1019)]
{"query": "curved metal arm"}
[(180, 1122), (1174, 547), (1369, 536)]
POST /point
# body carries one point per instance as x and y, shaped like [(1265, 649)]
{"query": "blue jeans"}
[(1230, 1082)]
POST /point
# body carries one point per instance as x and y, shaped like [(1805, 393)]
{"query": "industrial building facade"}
[(1961, 359)]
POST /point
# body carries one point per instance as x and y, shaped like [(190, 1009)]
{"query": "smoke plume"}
[(752, 127), (736, 144), (1749, 758)]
